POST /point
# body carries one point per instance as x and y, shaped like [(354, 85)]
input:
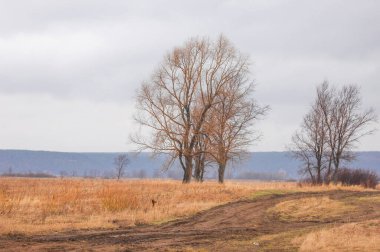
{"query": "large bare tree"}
[(175, 102)]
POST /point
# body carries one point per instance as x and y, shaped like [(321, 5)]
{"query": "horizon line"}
[(114, 152)]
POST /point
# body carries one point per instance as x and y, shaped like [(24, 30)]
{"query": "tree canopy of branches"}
[(229, 127), (182, 105), (310, 144), (330, 131)]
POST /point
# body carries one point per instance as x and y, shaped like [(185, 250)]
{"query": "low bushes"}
[(365, 178), (347, 177)]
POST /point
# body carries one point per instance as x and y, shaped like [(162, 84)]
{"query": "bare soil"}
[(230, 227)]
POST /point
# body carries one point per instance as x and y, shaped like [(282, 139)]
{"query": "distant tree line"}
[(28, 175)]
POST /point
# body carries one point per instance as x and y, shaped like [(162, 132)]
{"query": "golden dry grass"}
[(363, 236), (37, 205), (308, 209), (41, 205), (370, 198)]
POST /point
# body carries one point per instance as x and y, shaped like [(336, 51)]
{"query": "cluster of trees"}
[(199, 110), (330, 130), (198, 107)]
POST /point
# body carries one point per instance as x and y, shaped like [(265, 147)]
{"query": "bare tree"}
[(330, 131), (176, 101), (230, 125), (300, 151), (310, 144), (324, 101), (120, 161), (346, 121)]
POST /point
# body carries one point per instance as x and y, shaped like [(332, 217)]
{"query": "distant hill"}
[(259, 165)]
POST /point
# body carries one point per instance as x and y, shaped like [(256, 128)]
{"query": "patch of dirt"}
[(221, 228)]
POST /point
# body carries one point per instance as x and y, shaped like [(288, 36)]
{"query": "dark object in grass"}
[(153, 202)]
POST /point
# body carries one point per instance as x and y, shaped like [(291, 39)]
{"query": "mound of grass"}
[(363, 236), (264, 193), (309, 209)]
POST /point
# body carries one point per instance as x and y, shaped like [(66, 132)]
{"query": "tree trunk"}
[(311, 174), (319, 181), (328, 174), (197, 168), (336, 168), (202, 166), (202, 172), (221, 169), (188, 170), (318, 168)]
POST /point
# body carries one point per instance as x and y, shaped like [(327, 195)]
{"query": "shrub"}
[(365, 178)]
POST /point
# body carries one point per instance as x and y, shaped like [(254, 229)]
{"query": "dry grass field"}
[(39, 205), (46, 206)]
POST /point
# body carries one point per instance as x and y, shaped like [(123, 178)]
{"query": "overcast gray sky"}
[(69, 69)]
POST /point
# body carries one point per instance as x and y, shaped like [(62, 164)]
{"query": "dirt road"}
[(230, 227)]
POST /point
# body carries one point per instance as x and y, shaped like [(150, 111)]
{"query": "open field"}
[(40, 205), (242, 216)]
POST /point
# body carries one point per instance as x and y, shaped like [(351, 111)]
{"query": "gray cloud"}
[(100, 51)]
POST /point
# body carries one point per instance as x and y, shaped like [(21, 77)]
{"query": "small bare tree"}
[(346, 121), (120, 162), (309, 145), (229, 127), (330, 131)]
